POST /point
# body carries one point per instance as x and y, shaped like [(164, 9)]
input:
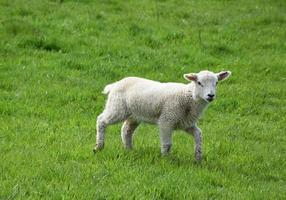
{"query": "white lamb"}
[(170, 105)]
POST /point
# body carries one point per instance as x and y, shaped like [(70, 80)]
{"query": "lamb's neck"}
[(200, 105), (195, 103)]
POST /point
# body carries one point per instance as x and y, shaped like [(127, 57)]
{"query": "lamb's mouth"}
[(210, 99), (206, 100)]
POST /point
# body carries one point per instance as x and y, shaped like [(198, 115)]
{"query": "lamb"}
[(171, 106)]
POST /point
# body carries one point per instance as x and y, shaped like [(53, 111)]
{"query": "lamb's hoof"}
[(128, 148), (98, 147), (198, 159), (166, 149)]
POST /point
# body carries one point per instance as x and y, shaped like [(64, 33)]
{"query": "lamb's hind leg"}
[(127, 131), (115, 111), (103, 120), (101, 125)]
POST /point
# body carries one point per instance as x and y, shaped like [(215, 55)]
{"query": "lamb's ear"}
[(223, 75), (191, 77)]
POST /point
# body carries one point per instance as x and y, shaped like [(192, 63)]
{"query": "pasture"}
[(56, 56)]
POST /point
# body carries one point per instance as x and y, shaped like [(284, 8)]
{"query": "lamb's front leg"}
[(197, 133), (165, 137)]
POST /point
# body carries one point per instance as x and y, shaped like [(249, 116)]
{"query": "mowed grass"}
[(57, 56)]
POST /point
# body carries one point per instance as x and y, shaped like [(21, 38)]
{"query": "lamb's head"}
[(205, 83)]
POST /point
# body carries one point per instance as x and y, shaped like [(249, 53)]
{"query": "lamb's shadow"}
[(152, 156)]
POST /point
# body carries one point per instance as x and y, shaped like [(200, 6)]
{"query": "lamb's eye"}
[(200, 84)]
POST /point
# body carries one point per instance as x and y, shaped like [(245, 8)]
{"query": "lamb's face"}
[(206, 85), (206, 82)]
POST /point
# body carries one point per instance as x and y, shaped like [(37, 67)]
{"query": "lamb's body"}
[(149, 101), (170, 105)]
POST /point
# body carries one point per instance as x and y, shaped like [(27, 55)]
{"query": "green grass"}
[(56, 56)]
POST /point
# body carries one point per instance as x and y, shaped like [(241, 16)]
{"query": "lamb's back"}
[(146, 98)]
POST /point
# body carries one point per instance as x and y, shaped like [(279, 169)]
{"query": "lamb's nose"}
[(210, 97)]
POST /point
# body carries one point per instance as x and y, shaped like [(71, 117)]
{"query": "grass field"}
[(56, 56)]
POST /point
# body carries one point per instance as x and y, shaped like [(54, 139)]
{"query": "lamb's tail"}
[(108, 88)]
